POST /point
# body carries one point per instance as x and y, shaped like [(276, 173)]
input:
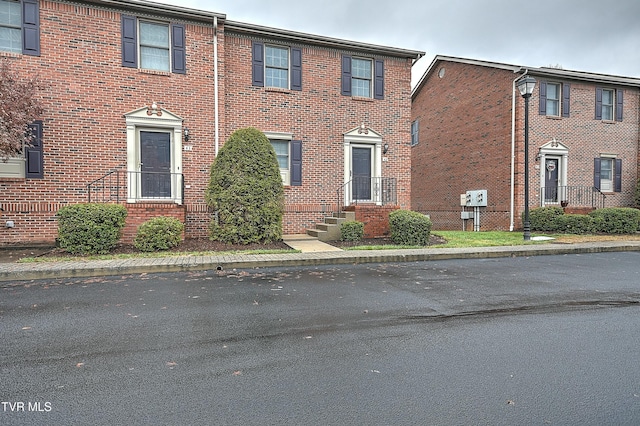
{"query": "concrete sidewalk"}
[(13, 272)]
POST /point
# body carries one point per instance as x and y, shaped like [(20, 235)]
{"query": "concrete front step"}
[(330, 229)]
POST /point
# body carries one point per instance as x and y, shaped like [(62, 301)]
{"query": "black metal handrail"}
[(379, 190), (575, 196), (119, 185)]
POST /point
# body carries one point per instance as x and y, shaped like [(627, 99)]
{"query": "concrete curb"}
[(72, 269)]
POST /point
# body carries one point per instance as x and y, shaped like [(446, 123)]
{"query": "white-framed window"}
[(608, 103), (281, 143), (553, 99), (10, 26), (361, 77), (606, 174), (276, 66), (154, 46), (415, 130), (282, 148)]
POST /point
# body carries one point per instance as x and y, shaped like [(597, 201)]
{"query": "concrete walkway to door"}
[(307, 244)]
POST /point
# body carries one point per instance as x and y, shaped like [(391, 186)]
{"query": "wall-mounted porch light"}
[(186, 135), (385, 148)]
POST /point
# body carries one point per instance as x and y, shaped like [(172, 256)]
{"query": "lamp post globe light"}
[(526, 85)]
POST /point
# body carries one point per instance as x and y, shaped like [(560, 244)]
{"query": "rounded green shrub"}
[(544, 218), (245, 190), (575, 224), (351, 231), (159, 233), (637, 195), (616, 220), (90, 228), (409, 228)]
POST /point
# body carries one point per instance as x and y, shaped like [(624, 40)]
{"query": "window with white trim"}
[(281, 148), (10, 26), (607, 104), (361, 77), (415, 129), (154, 46), (553, 99), (277, 66)]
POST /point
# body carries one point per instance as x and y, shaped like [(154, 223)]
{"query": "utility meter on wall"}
[(476, 198)]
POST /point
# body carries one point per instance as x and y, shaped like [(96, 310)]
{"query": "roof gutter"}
[(258, 30)]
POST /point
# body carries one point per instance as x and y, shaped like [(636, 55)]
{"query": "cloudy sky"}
[(582, 35)]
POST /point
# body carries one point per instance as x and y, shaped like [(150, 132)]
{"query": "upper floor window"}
[(20, 27), (10, 26), (153, 45), (555, 99), (415, 132), (276, 66), (609, 104), (362, 77)]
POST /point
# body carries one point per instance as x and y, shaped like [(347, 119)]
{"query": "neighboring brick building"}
[(468, 134), (139, 97)]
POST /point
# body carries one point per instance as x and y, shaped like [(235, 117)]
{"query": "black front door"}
[(361, 166), (155, 164), (551, 180)]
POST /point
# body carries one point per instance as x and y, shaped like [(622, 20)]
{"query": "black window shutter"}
[(296, 163), (178, 49), (296, 69), (257, 64), (129, 42), (33, 153), (617, 183), (619, 102), (378, 83), (543, 98), (30, 28), (346, 75), (598, 104), (566, 99), (596, 173)]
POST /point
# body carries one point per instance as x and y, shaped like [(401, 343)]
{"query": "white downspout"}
[(215, 83), (513, 150)]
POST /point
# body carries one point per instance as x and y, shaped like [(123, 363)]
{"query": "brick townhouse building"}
[(468, 135), (139, 97)]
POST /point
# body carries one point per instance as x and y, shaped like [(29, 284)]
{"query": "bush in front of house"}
[(575, 224), (544, 218), (159, 233), (637, 197), (245, 190), (409, 228), (351, 231), (90, 228), (616, 220)]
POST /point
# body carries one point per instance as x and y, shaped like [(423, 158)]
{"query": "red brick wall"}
[(375, 219), (465, 143), (319, 116), (139, 213), (86, 92)]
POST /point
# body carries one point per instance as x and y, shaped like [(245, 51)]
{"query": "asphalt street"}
[(523, 340)]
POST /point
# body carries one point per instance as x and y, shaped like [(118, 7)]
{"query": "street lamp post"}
[(526, 85)]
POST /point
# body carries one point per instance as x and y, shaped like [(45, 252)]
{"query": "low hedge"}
[(90, 228), (545, 219), (575, 224), (616, 220), (351, 231), (159, 233), (409, 228)]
